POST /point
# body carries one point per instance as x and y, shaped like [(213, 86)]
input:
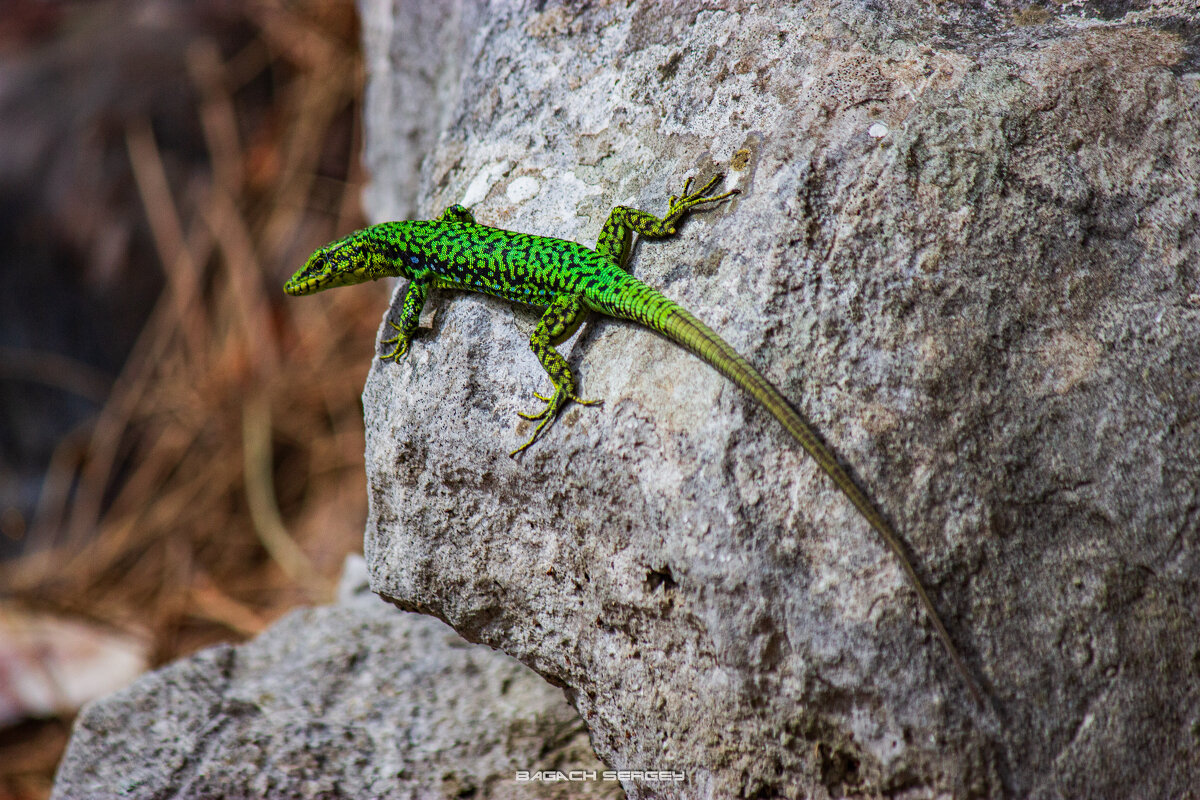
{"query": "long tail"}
[(641, 303)]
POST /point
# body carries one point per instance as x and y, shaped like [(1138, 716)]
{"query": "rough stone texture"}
[(966, 247), (347, 701)]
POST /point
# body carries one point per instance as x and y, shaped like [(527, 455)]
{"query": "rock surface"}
[(349, 701), (966, 246)]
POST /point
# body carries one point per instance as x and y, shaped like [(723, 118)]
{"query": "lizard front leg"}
[(560, 320), (457, 213), (410, 315)]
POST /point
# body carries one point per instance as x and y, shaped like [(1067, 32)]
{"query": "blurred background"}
[(180, 444)]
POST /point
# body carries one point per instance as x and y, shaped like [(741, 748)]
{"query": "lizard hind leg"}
[(557, 324), (616, 235)]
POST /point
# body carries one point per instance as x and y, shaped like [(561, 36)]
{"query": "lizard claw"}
[(678, 205), (583, 402), (554, 404), (400, 340), (532, 439), (398, 352)]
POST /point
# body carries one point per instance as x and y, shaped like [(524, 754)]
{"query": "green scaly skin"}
[(569, 280)]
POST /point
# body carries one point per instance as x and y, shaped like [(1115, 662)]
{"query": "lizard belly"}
[(526, 293)]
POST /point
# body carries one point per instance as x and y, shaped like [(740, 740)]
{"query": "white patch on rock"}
[(479, 188), (522, 189)]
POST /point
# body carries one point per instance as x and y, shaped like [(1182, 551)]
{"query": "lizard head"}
[(342, 263)]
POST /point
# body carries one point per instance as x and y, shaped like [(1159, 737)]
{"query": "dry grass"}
[(223, 483)]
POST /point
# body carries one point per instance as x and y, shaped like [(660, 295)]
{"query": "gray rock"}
[(350, 701), (966, 247)]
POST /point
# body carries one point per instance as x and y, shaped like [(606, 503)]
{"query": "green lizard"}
[(569, 280)]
